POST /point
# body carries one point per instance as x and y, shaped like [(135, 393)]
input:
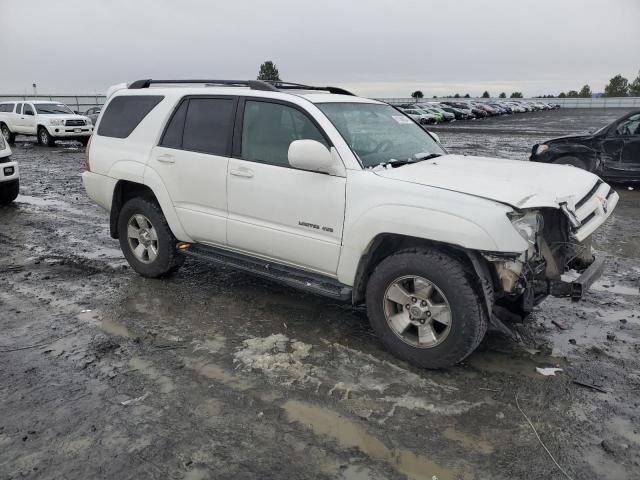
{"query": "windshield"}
[(52, 108), (379, 133)]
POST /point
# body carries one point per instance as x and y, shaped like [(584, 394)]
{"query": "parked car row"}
[(427, 113)]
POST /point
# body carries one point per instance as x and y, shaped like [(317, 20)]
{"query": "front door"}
[(192, 160), (276, 211), (622, 148)]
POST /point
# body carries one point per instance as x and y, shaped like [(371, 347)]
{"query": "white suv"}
[(9, 175), (344, 197), (49, 121)]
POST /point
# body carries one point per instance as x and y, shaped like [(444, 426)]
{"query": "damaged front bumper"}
[(577, 288)]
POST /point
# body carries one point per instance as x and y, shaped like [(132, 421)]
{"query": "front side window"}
[(28, 109), (629, 126), (269, 128), (378, 133), (53, 109)]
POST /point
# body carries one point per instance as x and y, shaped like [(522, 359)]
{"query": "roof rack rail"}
[(253, 84), (270, 86)]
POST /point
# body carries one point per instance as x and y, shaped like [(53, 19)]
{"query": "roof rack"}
[(270, 86)]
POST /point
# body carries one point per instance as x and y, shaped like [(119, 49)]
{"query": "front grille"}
[(584, 199), (75, 123)]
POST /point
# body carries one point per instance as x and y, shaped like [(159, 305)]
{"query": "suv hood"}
[(515, 183), (570, 139)]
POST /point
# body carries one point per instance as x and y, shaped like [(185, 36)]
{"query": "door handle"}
[(166, 158), (242, 172)]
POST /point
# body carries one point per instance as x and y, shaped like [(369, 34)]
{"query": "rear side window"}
[(173, 134), (124, 114), (19, 108), (201, 125)]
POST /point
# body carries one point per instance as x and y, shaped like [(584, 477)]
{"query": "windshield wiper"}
[(426, 156), (394, 163)]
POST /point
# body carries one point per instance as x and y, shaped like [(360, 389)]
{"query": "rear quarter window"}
[(124, 114)]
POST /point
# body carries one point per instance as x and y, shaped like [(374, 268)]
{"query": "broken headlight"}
[(527, 225), (541, 148)]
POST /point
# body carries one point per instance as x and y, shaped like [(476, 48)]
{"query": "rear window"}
[(124, 114), (7, 107)]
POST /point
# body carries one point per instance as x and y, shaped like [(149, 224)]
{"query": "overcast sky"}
[(373, 47)]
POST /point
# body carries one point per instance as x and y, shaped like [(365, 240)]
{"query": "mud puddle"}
[(327, 423)]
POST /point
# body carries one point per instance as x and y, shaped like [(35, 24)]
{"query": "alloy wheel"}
[(417, 311)]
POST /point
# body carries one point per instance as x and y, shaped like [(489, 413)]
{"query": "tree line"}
[(618, 86)]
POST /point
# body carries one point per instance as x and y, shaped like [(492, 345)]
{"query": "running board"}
[(276, 272)]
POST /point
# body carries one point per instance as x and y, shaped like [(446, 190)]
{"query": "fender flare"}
[(157, 186)]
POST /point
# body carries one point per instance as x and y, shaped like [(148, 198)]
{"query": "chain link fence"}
[(78, 103)]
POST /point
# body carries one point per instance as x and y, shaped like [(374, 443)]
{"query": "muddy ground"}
[(215, 374)]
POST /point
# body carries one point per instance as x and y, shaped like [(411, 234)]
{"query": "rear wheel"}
[(9, 192), (424, 309), (576, 162), (8, 135), (146, 239), (44, 138)]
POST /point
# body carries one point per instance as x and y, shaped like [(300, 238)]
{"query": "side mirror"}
[(29, 112), (434, 135), (313, 156), (76, 112)]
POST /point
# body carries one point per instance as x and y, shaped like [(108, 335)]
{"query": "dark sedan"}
[(613, 152)]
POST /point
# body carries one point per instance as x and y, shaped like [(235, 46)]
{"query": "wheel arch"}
[(125, 190), (386, 244), (585, 154)]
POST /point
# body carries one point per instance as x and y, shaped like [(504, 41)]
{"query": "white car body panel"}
[(5, 152)]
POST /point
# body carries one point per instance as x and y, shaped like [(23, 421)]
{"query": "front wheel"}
[(424, 309), (9, 192), (84, 141), (44, 138), (146, 239)]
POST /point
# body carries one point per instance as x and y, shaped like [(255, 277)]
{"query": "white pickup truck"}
[(346, 197), (48, 121)]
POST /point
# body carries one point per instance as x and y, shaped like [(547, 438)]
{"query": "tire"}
[(576, 162), (44, 138), (8, 135), (84, 141), (451, 286), (158, 237), (9, 192)]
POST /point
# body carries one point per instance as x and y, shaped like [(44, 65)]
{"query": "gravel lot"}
[(215, 374)]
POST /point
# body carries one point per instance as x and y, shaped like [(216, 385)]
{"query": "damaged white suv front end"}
[(555, 210), (559, 240)]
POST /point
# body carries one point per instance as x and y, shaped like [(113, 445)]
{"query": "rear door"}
[(16, 119), (28, 119), (276, 211), (192, 159)]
